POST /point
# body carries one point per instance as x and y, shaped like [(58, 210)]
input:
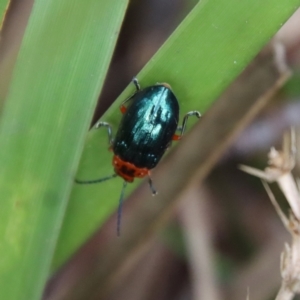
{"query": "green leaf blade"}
[(57, 78), (3, 8)]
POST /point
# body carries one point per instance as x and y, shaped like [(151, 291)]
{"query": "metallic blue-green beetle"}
[(149, 124)]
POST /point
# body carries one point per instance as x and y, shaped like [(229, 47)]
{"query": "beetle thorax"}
[(127, 170)]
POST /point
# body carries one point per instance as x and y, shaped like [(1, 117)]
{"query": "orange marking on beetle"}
[(128, 171), (176, 137), (123, 109)]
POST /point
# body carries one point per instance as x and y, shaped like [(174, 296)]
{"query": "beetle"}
[(149, 124)]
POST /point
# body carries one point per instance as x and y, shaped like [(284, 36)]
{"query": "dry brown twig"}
[(279, 170)]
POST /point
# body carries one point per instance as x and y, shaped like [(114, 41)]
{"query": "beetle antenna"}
[(95, 180), (120, 208), (153, 190)]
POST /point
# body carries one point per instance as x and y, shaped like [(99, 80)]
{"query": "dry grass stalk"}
[(279, 170), (194, 214)]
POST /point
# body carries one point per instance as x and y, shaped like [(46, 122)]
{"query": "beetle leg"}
[(109, 131), (153, 190), (177, 137), (135, 81)]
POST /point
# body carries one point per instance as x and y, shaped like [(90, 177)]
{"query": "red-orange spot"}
[(128, 171), (123, 109), (176, 137)]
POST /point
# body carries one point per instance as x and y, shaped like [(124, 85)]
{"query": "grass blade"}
[(3, 7), (60, 69)]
